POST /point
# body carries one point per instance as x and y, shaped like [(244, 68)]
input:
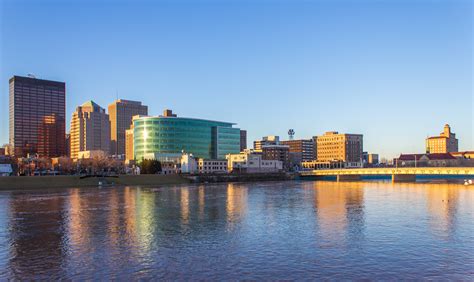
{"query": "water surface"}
[(271, 230)]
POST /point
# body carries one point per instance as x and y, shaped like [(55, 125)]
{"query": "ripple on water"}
[(272, 230)]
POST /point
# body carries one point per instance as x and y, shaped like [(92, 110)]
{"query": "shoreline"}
[(18, 183)]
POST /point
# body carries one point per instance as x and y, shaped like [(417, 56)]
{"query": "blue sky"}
[(395, 71)]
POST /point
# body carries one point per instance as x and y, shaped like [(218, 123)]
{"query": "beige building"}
[(121, 113), (251, 162), (129, 152), (334, 146), (129, 155), (90, 129), (266, 140), (446, 142), (212, 166), (190, 164), (93, 154)]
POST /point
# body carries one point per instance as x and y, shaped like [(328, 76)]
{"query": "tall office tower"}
[(446, 142), (90, 129), (121, 113), (37, 117), (333, 146), (243, 140)]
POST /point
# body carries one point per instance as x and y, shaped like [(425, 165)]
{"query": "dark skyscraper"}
[(243, 140), (37, 117)]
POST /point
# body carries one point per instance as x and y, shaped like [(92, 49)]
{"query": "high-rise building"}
[(129, 153), (90, 129), (333, 146), (68, 145), (446, 142), (37, 117), (120, 114), (243, 140), (171, 135), (301, 150)]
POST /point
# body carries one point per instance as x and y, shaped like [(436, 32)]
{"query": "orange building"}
[(446, 142)]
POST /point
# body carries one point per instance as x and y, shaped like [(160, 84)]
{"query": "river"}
[(265, 230)]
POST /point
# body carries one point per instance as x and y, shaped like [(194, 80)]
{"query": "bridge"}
[(400, 174)]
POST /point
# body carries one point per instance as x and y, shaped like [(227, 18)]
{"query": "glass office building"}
[(173, 135)]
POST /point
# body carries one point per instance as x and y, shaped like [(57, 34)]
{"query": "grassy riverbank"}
[(45, 182)]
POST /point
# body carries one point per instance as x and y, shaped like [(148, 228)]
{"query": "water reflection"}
[(40, 249), (236, 202), (257, 231), (340, 212)]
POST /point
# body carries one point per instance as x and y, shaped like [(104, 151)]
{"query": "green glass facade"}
[(171, 135)]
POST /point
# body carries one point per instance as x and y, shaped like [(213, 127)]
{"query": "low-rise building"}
[(189, 164), (370, 159), (212, 166), (92, 154), (463, 155), (329, 165), (427, 160), (278, 153), (251, 162)]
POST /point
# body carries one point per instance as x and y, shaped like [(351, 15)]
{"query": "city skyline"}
[(311, 82)]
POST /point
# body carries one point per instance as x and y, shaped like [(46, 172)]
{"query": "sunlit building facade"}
[(173, 135), (334, 146), (120, 113), (37, 117), (446, 142), (301, 150), (90, 129)]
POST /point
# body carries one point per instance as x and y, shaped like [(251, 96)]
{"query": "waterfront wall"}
[(67, 181)]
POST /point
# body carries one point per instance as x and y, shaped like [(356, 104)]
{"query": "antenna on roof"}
[(30, 75), (291, 134)]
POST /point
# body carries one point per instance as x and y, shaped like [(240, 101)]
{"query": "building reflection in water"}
[(340, 211), (145, 220), (56, 235), (236, 202), (36, 234), (113, 220), (202, 201), (184, 204), (442, 201)]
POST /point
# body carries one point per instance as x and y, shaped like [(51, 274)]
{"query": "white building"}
[(251, 162), (188, 164), (212, 166)]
